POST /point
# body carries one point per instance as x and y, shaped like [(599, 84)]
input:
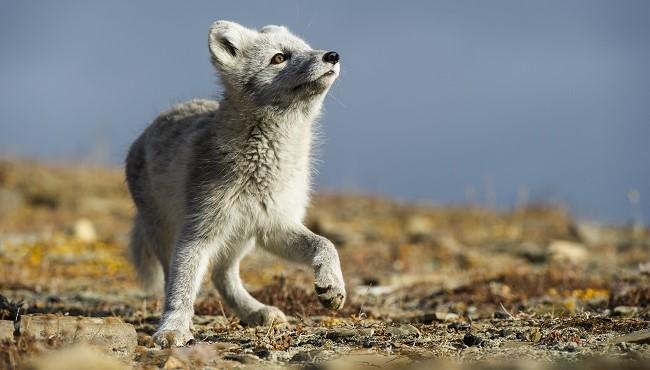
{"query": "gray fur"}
[(212, 180)]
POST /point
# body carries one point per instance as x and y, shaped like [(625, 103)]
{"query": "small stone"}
[(403, 331), (472, 340), (342, 333), (459, 326), (262, 352), (625, 311), (639, 336), (84, 230)]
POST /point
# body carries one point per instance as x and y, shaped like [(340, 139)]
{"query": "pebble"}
[(639, 336), (84, 230), (460, 326), (403, 331), (343, 333), (262, 352), (625, 311), (472, 340)]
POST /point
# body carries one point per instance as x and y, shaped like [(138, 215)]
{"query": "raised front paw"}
[(332, 297), (267, 315), (167, 338)]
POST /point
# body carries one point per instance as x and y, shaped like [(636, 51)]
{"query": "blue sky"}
[(437, 99)]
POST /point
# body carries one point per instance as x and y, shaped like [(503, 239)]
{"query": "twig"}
[(506, 311), (270, 327)]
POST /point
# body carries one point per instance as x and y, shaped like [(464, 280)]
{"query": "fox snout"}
[(331, 57)]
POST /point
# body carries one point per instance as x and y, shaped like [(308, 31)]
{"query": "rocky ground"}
[(430, 287)]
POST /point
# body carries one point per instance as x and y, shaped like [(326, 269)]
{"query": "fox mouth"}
[(331, 72)]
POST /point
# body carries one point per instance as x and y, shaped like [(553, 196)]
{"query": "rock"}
[(343, 333), (430, 317), (472, 340), (625, 311), (639, 336), (6, 331), (403, 331), (459, 326), (562, 251), (109, 333), (84, 230), (76, 358)]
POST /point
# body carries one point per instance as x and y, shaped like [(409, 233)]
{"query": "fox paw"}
[(168, 338), (267, 315), (331, 297)]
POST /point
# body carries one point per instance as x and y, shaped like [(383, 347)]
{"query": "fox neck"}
[(274, 144)]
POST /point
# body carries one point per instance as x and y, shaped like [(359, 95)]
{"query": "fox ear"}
[(226, 40), (273, 28)]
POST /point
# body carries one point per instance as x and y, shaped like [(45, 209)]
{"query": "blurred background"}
[(498, 103)]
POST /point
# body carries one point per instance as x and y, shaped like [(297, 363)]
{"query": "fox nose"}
[(331, 57)]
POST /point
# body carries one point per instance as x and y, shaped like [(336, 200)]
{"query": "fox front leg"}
[(300, 245)]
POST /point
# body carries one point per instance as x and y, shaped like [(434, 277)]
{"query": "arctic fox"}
[(212, 180)]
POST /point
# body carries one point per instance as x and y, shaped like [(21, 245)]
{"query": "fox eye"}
[(278, 58)]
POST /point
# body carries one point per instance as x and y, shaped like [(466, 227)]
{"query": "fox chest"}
[(276, 185)]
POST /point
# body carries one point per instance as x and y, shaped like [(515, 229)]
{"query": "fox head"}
[(271, 66)]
